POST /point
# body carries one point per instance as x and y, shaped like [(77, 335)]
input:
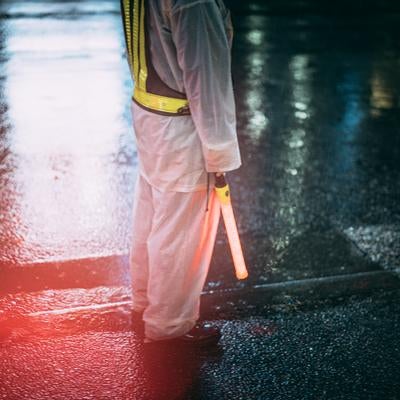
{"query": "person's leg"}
[(180, 246), (142, 220)]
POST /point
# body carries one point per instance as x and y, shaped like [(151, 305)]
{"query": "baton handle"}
[(223, 194)]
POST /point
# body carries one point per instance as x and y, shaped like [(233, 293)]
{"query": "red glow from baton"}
[(223, 193)]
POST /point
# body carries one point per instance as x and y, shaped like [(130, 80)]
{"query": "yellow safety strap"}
[(160, 103), (138, 63)]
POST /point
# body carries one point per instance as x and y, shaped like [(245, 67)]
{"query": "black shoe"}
[(200, 335)]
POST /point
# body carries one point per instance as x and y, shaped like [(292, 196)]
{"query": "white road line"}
[(93, 307)]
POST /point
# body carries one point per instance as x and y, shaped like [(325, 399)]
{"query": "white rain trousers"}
[(173, 236), (172, 246)]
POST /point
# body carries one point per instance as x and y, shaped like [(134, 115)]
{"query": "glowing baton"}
[(223, 193)]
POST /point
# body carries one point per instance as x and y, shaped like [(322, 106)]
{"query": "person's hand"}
[(220, 180)]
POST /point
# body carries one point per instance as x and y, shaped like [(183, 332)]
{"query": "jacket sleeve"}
[(203, 52)]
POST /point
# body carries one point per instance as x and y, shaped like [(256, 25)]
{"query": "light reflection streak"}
[(301, 95), (300, 71), (24, 8), (255, 37), (382, 97), (65, 92), (256, 60), (348, 127), (296, 152)]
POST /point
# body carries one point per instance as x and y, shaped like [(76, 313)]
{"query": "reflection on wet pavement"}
[(318, 120), (324, 159), (67, 179)]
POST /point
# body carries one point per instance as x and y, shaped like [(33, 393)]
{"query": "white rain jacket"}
[(190, 50)]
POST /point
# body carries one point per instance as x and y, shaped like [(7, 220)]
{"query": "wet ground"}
[(348, 349), (317, 94), (318, 97)]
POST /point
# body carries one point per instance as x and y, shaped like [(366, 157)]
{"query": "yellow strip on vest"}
[(136, 40), (142, 50), (138, 54), (159, 103), (128, 33)]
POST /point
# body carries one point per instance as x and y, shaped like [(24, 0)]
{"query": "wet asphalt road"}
[(318, 98), (318, 94), (349, 349)]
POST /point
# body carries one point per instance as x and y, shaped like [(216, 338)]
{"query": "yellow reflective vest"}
[(150, 92)]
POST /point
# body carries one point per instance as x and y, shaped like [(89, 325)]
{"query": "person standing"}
[(184, 121)]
